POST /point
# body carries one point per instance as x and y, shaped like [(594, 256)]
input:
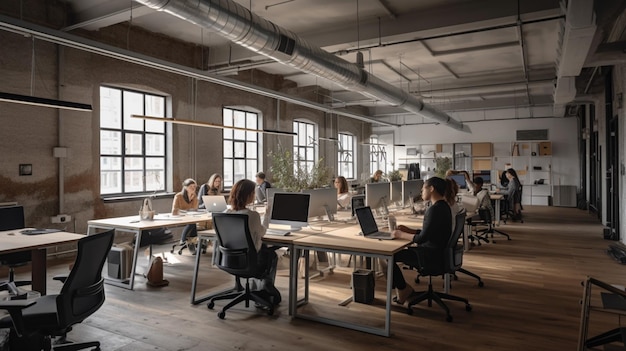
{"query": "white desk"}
[(14, 241), (132, 224), (497, 198)]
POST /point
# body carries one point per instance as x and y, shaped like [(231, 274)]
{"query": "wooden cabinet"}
[(482, 150)]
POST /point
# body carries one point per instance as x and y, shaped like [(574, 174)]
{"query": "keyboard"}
[(279, 232), (39, 231)]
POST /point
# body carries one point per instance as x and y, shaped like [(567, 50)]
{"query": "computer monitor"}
[(459, 179), (396, 192), (485, 175), (290, 209), (357, 201), (11, 217), (323, 202), (410, 190), (377, 196)]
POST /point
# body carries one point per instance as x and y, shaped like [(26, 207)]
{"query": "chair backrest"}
[(11, 217), (83, 291), (469, 203), (237, 254), (440, 261), (453, 255)]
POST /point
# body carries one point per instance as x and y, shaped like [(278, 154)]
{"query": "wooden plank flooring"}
[(530, 301)]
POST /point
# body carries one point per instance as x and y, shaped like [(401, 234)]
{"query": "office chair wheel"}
[(221, 314), (180, 252), (481, 284), (455, 277), (210, 305), (449, 318), (409, 311), (468, 307), (270, 311)]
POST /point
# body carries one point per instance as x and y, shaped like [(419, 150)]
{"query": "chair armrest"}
[(60, 277), (15, 307)]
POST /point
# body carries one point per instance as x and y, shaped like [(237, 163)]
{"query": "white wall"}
[(563, 133)]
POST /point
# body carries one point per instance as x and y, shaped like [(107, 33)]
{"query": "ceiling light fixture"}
[(211, 125), (43, 102)]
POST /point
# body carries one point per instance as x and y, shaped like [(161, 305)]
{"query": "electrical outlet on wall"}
[(62, 218)]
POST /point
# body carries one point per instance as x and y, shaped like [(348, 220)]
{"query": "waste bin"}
[(363, 286)]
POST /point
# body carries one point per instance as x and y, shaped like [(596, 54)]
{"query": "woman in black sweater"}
[(435, 233)]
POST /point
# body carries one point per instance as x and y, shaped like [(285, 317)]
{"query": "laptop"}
[(214, 203), (368, 224)]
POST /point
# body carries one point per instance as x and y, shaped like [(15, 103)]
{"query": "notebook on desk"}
[(214, 203), (369, 228)]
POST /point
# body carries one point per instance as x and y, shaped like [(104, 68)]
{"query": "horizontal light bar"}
[(211, 125), (37, 101)]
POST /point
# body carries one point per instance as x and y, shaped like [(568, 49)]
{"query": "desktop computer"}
[(119, 262)]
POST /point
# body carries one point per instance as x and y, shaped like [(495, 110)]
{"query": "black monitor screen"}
[(291, 207), (459, 179), (11, 217)]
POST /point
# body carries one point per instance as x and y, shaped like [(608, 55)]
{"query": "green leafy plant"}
[(394, 175), (443, 165), (290, 173)]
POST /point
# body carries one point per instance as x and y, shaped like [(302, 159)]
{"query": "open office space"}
[(356, 85)]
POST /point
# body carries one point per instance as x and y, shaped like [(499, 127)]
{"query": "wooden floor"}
[(530, 301)]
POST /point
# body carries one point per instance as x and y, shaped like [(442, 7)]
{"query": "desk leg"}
[(194, 281), (497, 211), (38, 275), (466, 232), (133, 270), (390, 264)]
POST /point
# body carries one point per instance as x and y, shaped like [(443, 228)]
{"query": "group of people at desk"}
[(436, 230)]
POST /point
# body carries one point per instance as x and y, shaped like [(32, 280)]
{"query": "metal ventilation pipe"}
[(239, 25)]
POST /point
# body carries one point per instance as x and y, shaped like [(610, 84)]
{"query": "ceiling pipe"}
[(237, 24), (20, 27)]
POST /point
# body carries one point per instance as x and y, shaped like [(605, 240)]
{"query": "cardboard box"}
[(545, 148), (482, 149)]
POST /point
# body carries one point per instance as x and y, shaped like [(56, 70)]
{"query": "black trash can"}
[(363, 286)]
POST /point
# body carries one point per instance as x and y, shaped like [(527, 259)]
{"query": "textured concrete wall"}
[(29, 134)]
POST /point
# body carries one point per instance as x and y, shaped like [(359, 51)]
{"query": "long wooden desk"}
[(14, 241), (343, 241), (132, 224)]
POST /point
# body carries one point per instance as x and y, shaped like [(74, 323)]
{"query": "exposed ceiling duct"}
[(576, 36), (239, 25)]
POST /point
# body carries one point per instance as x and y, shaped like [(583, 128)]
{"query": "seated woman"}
[(185, 200), (343, 195), (242, 194), (212, 187), (435, 233), (377, 177), (513, 192)]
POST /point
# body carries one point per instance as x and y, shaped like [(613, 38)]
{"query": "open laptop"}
[(368, 224), (214, 203)]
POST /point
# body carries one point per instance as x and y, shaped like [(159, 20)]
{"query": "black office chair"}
[(35, 322), (11, 218), (485, 227), (513, 199), (238, 256), (434, 262)]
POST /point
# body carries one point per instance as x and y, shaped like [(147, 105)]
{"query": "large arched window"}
[(132, 151), (304, 144), (241, 148), (346, 155)]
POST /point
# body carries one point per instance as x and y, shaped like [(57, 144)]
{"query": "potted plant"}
[(290, 174), (394, 176)]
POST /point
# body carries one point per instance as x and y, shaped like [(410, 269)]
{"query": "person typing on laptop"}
[(212, 187), (435, 233)]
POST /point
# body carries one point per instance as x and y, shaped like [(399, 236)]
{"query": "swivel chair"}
[(434, 262), (237, 255), (486, 223), (191, 243), (11, 218), (35, 322)]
